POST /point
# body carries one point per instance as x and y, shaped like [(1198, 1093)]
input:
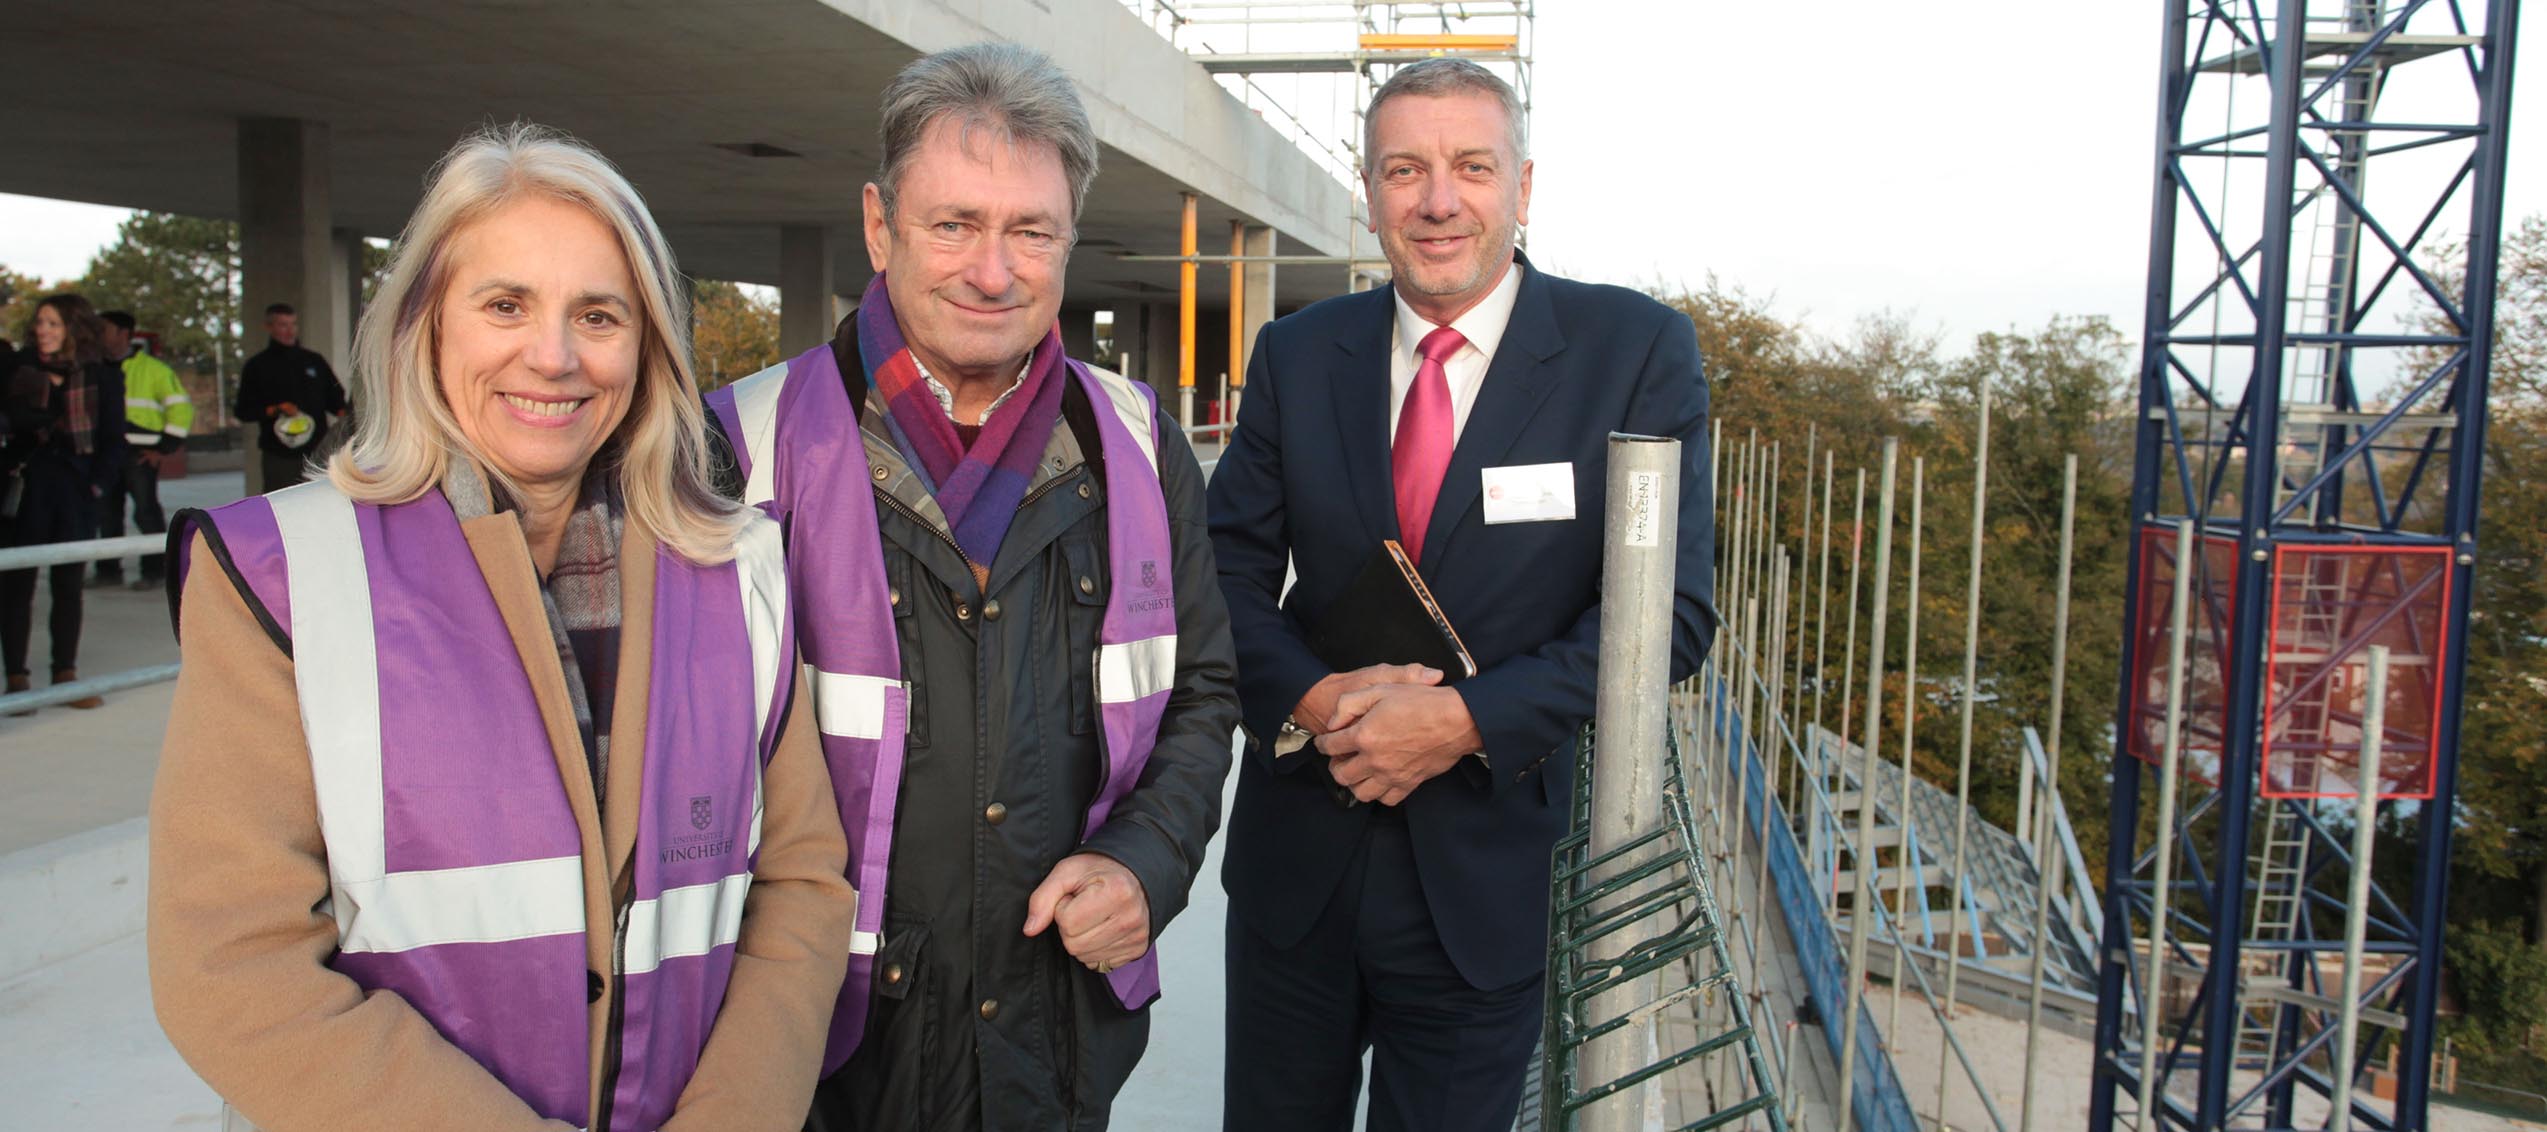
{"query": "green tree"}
[(18, 296), (2499, 854), (2056, 392), (733, 334), (179, 276)]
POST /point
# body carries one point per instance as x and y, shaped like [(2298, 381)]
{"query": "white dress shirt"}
[(946, 396), (1482, 326)]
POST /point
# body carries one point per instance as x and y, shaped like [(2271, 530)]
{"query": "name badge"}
[(1529, 493)]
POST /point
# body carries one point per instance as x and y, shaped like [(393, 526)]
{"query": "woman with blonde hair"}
[(430, 847)]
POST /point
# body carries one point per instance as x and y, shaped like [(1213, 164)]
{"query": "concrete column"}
[(805, 307), (1132, 336), (345, 292), (1259, 306), (1079, 332), (1159, 354), (286, 252)]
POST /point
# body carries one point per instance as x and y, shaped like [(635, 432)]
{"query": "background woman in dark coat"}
[(64, 405)]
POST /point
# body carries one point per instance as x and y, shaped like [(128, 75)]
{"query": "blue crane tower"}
[(2312, 399)]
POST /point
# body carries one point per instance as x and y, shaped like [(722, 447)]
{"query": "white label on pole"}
[(1644, 508)]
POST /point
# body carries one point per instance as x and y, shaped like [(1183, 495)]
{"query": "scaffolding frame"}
[(2297, 458), (1359, 43)]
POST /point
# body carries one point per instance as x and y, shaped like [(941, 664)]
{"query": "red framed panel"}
[(2330, 604), (2209, 623)]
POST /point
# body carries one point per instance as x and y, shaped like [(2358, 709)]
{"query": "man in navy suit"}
[(1388, 852)]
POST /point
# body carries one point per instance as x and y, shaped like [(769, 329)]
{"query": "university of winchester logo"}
[(1149, 574), (702, 811)]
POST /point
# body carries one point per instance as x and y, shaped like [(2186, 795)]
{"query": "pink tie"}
[(1421, 452)]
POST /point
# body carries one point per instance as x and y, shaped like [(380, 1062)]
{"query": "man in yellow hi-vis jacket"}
[(157, 417)]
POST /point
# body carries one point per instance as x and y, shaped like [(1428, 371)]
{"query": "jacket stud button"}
[(990, 610), (963, 612), (990, 1009), (893, 595), (892, 974), (1084, 492), (1087, 585), (880, 473), (995, 813)]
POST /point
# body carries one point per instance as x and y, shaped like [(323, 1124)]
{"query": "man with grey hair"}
[(1002, 583), (1388, 853)]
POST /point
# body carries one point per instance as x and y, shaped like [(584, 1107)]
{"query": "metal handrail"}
[(63, 554), (2464, 1083), (85, 550), (59, 694)]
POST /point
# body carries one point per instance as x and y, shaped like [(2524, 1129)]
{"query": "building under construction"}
[(1847, 945)]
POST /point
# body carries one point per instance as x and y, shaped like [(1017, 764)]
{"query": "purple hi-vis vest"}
[(802, 456), (455, 872)]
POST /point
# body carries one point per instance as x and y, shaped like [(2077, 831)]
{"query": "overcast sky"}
[(1980, 166)]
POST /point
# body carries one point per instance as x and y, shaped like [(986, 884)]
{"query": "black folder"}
[(1386, 615)]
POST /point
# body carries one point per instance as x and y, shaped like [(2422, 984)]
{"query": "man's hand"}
[(281, 407), (1317, 708), (1098, 905), (152, 457), (1387, 740)]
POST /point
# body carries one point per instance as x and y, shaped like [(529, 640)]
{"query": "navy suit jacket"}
[(1306, 480)]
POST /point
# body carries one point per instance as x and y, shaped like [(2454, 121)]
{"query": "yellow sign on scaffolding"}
[(1439, 44)]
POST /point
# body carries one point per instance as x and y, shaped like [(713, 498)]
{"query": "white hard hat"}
[(295, 429)]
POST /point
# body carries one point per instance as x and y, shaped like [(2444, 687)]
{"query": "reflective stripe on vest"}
[(844, 625), (155, 402), (442, 806), (1136, 643)]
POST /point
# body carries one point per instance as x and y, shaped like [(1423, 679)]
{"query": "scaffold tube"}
[(2154, 985), (2365, 830), (1631, 709), (1862, 894)]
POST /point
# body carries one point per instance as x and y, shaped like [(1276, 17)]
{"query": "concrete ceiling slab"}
[(139, 102)]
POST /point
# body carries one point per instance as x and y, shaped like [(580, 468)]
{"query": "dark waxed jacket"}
[(1003, 711)]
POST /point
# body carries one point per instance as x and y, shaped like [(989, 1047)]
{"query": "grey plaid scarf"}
[(581, 593)]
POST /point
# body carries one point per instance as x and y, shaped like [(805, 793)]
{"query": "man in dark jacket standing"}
[(292, 398), (1388, 854), (1003, 585)]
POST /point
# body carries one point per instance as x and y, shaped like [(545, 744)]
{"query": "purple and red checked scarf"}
[(979, 487)]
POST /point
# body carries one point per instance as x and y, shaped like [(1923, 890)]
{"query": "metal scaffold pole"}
[(1803, 556), (1905, 859), (2060, 647), (1862, 901), (2051, 787), (2365, 836), (1821, 625), (1848, 666), (1631, 707), (1955, 902), (1185, 297), (2153, 994)]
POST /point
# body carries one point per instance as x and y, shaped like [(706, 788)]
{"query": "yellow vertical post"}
[(1185, 281), (1230, 377)]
